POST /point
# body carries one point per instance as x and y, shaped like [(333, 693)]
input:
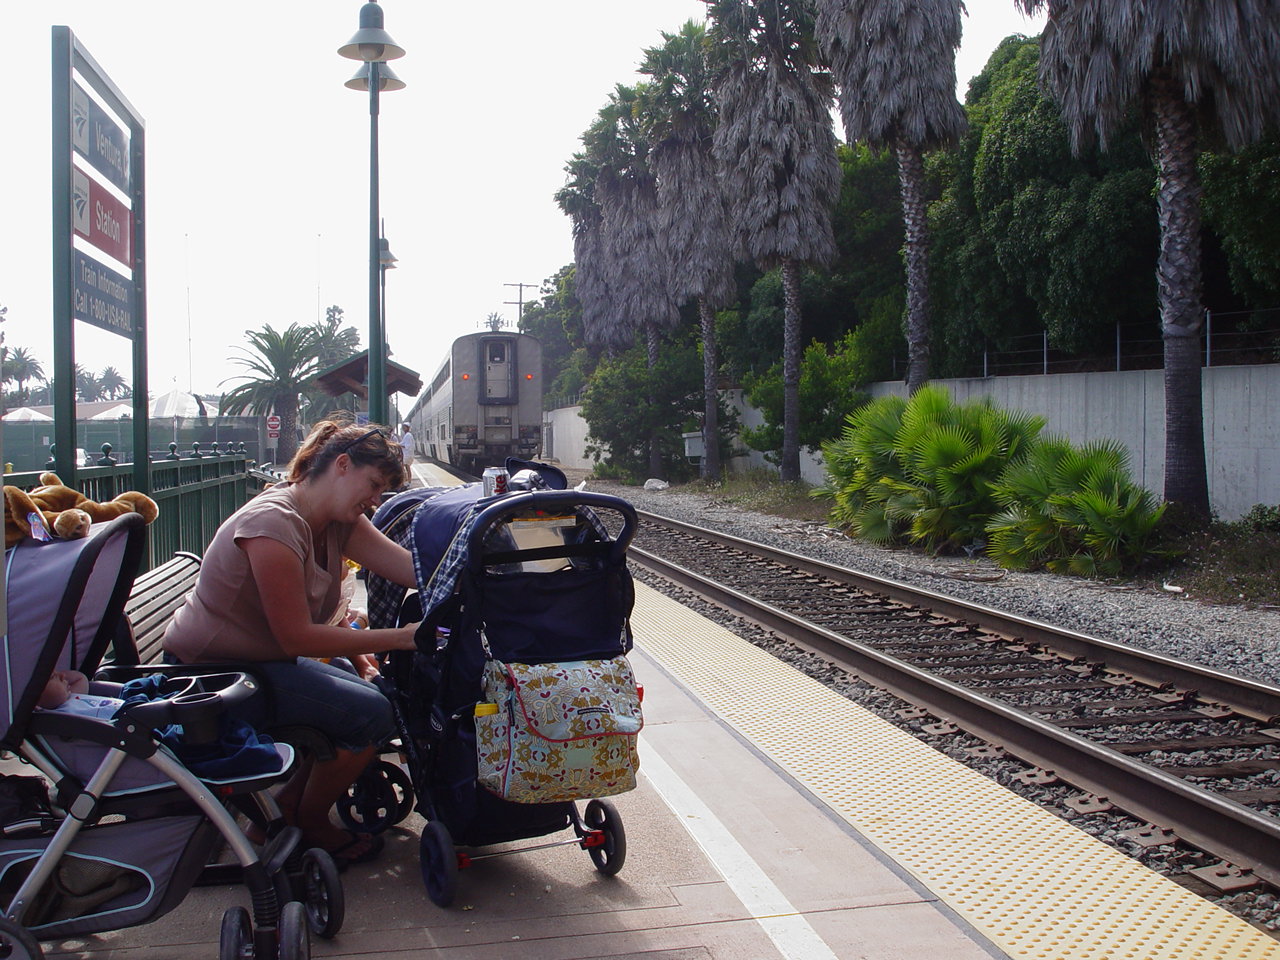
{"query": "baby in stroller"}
[(128, 827)]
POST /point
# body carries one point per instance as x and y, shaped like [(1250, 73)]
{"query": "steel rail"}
[(1237, 834), (1250, 698)]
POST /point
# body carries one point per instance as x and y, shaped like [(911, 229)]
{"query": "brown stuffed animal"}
[(65, 511)]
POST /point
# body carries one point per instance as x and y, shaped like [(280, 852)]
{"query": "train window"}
[(497, 352)]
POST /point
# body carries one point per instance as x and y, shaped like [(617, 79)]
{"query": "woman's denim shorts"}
[(351, 712)]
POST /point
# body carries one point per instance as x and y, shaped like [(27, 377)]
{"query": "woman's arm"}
[(368, 547), (278, 573)]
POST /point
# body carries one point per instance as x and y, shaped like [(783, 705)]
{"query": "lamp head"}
[(387, 80), (386, 259), (371, 42)]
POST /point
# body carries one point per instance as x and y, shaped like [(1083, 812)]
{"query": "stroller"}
[(514, 588), (130, 826)]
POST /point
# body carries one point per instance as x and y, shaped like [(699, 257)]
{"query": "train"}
[(484, 403)]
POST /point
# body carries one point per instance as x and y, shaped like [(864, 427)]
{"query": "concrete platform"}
[(726, 859)]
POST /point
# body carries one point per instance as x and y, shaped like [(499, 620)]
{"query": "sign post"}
[(99, 240), (273, 427)]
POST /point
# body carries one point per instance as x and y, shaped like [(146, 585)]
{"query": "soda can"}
[(495, 481)]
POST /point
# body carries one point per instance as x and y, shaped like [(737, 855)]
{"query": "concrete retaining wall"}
[(1241, 411)]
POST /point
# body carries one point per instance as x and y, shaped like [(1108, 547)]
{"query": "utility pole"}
[(519, 304)]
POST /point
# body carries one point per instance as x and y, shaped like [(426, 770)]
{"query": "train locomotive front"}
[(485, 402)]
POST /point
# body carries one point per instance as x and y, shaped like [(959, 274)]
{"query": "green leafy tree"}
[(831, 382), (1202, 70), (629, 401), (896, 69), (1242, 206), (777, 151), (1030, 237), (556, 320), (280, 367)]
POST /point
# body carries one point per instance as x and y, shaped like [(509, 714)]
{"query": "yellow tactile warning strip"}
[(1032, 883)]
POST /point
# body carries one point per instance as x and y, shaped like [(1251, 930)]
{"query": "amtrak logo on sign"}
[(80, 203), (79, 120)]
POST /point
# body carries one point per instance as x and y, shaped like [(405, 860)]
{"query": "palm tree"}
[(20, 366), (778, 152), (681, 116), (333, 342), (113, 384), (88, 388), (280, 369), (625, 231), (1200, 71), (895, 64)]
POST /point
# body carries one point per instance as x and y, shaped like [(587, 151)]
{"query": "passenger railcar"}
[(484, 403)]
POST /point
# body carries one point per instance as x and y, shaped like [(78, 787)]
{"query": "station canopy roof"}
[(352, 376)]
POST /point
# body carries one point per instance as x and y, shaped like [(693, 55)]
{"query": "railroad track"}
[(1192, 752)]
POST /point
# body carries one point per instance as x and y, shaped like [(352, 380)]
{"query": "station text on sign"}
[(100, 218)]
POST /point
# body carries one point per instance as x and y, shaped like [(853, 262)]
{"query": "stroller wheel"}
[(612, 854), (294, 936), (17, 943), (381, 797), (439, 863), (236, 939), (322, 893)]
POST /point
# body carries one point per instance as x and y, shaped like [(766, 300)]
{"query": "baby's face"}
[(62, 684)]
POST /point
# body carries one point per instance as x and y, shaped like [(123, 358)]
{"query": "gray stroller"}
[(128, 811)]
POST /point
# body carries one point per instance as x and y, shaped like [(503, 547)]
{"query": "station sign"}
[(100, 218), (99, 139), (103, 297)]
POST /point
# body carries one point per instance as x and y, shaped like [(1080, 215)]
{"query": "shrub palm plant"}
[(924, 469), (1072, 510)]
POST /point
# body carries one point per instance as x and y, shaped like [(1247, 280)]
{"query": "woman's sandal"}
[(361, 848)]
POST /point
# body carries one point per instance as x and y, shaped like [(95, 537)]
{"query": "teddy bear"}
[(64, 511)]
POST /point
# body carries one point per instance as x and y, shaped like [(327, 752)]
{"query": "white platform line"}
[(784, 925)]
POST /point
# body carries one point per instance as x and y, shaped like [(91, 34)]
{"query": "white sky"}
[(257, 164)]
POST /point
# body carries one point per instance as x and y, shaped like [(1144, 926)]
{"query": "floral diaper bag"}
[(560, 731)]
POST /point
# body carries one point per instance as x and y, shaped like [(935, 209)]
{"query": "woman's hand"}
[(366, 665), (402, 636)]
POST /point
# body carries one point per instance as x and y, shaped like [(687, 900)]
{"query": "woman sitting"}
[(270, 584)]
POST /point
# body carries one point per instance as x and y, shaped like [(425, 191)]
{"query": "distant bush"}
[(1262, 519)]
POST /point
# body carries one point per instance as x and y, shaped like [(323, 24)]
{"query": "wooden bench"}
[(155, 597)]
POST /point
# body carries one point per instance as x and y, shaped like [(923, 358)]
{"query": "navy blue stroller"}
[(139, 791), (534, 577)]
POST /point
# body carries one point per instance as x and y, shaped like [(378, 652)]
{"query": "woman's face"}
[(360, 489)]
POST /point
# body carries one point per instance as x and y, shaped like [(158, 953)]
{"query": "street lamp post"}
[(374, 46)]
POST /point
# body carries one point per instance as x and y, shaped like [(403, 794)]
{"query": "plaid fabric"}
[(386, 596), (439, 585)]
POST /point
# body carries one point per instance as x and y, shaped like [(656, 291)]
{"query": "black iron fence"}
[(1238, 338), (194, 494)]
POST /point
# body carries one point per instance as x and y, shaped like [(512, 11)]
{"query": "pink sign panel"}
[(100, 218)]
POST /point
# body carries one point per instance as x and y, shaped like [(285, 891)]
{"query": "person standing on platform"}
[(406, 444)]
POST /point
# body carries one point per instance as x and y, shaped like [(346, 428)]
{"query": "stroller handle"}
[(549, 501)]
